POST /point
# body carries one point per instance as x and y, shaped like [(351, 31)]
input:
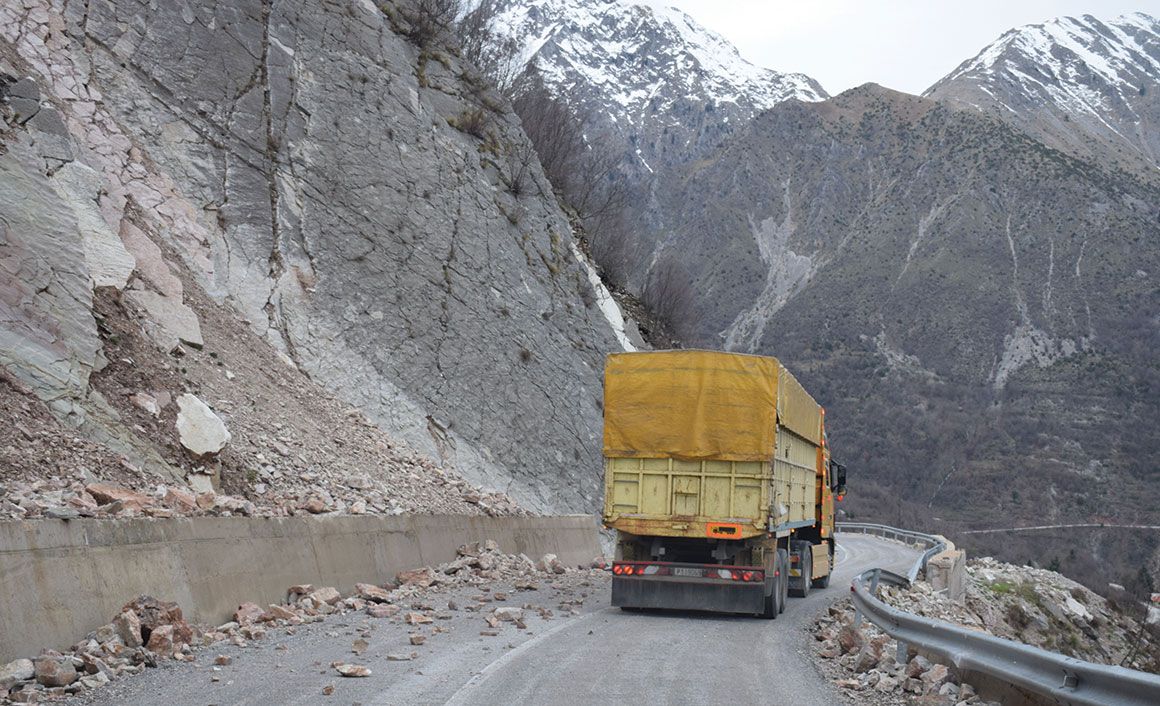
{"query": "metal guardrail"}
[(1068, 680)]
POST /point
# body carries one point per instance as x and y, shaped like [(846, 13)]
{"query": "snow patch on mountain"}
[(605, 301), (636, 54), (1070, 79), (1063, 55)]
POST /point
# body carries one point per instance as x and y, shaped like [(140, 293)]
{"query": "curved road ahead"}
[(602, 655)]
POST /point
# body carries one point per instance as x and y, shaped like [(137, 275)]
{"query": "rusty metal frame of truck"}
[(714, 459)]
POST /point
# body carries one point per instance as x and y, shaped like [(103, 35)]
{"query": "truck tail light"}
[(641, 568)]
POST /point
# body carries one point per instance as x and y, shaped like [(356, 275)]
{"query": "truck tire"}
[(805, 565), (773, 601), (783, 562)]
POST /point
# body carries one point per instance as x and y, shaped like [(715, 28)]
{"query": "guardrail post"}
[(900, 655)]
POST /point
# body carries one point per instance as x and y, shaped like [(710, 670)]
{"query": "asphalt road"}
[(602, 655), (679, 658)]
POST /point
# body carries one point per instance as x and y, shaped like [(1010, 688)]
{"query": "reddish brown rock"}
[(154, 614), (55, 671), (279, 612), (248, 614), (414, 618), (352, 670), (380, 610), (106, 494), (850, 639), (417, 577), (370, 592), (180, 500), (326, 594), (315, 506), (161, 641)]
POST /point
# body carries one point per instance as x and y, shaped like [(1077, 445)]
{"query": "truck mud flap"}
[(719, 597)]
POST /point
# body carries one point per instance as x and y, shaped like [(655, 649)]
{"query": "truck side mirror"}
[(840, 479)]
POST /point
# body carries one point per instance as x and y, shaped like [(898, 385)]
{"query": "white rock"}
[(15, 672), (202, 431), (1077, 609), (1153, 615), (146, 402), (174, 322), (200, 483)]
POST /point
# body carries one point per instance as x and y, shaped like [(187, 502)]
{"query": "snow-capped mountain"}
[(652, 77), (1086, 86)]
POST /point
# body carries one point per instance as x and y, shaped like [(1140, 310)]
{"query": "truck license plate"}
[(686, 571)]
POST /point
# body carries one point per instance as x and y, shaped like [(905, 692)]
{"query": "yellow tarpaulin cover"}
[(690, 405)]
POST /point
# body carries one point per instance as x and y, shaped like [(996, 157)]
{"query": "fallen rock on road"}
[(148, 631)]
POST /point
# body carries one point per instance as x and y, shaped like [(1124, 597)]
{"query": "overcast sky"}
[(906, 45)]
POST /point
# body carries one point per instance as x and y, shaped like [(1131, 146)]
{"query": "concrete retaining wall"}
[(61, 579)]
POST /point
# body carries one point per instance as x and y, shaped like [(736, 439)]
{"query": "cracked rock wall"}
[(302, 159)]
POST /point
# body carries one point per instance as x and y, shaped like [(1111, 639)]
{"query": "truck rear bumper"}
[(688, 594)]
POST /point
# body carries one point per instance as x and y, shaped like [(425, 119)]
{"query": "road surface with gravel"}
[(599, 655)]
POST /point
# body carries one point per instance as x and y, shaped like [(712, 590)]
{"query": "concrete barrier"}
[(946, 571), (61, 579)]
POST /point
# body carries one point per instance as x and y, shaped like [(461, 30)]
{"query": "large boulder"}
[(55, 671), (202, 432), (15, 672)]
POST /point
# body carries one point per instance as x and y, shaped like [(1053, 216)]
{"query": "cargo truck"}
[(718, 481)]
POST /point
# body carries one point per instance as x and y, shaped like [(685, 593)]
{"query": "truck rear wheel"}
[(773, 601), (805, 556)]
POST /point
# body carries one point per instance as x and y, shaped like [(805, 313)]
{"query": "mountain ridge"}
[(1070, 82)]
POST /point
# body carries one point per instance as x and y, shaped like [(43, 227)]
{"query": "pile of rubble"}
[(85, 496), (144, 631), (1040, 608), (1034, 606), (260, 435), (147, 630), (864, 661)]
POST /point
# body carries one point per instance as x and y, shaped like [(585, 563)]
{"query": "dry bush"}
[(555, 132), (610, 244), (669, 294), (496, 57), (429, 20), (473, 121), (520, 161)]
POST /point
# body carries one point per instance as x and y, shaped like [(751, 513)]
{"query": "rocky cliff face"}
[(341, 189), (1082, 85)]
